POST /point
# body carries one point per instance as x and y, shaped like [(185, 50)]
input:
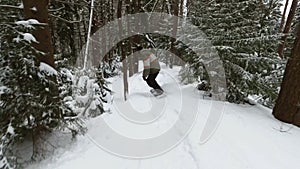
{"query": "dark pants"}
[(152, 82)]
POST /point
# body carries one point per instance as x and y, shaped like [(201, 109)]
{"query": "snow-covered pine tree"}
[(10, 11), (29, 103), (83, 92), (29, 92), (244, 33)]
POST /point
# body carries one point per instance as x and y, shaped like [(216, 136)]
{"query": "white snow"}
[(44, 67), (3, 89), (10, 129), (28, 23), (3, 161), (67, 73), (25, 36), (288, 8), (29, 37), (17, 39), (247, 137), (21, 6), (33, 9)]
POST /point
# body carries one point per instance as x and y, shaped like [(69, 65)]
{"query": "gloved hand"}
[(144, 78)]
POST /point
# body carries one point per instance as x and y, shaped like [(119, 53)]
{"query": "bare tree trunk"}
[(283, 16), (124, 69), (175, 6), (287, 107), (41, 148), (187, 5), (54, 35), (123, 54), (136, 39), (181, 7), (77, 36), (129, 47), (110, 18), (287, 27), (38, 9)]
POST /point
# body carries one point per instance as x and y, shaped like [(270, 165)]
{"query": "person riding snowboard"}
[(151, 70)]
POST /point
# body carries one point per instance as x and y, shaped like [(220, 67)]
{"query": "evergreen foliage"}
[(245, 35), (291, 36), (33, 95), (69, 24)]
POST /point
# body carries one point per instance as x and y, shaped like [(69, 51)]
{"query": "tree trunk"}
[(187, 5), (110, 53), (40, 148), (287, 107), (175, 6), (38, 9), (283, 16), (181, 7), (125, 68), (136, 39), (129, 46), (123, 54), (287, 27)]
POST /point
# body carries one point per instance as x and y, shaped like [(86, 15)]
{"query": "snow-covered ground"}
[(247, 137)]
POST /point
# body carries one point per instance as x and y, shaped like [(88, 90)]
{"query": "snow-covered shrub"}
[(188, 74), (84, 92), (110, 67)]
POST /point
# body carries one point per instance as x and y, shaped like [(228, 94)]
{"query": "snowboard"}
[(157, 95)]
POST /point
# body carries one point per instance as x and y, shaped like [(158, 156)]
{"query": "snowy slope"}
[(247, 137)]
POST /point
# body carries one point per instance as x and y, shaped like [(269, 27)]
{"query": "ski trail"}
[(141, 100), (236, 144), (187, 146)]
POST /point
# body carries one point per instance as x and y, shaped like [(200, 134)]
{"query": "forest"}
[(57, 56)]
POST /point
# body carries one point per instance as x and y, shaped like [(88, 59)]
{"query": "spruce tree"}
[(244, 33), (30, 103)]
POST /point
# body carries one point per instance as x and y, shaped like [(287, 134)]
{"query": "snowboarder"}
[(151, 70)]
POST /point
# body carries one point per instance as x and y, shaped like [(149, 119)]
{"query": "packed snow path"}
[(247, 137)]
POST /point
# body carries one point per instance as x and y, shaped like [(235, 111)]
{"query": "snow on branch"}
[(11, 6), (29, 23), (3, 89), (49, 70), (27, 37)]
